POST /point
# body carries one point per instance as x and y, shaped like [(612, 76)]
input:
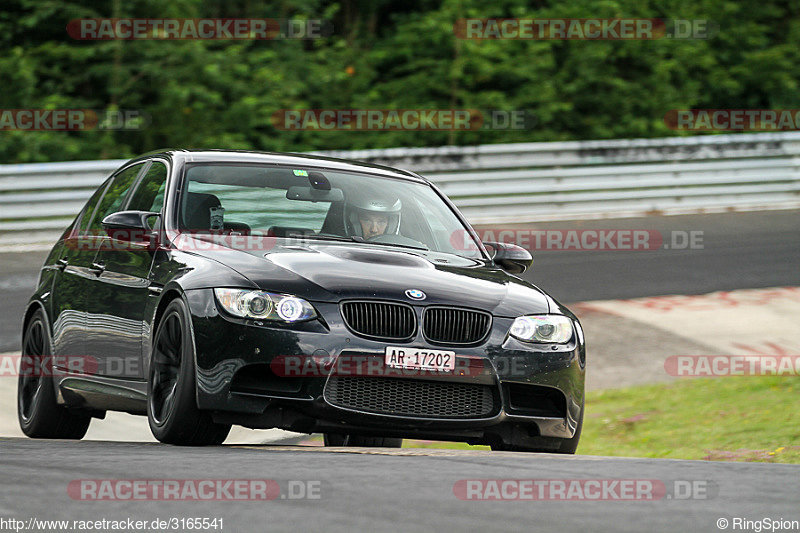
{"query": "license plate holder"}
[(408, 357)]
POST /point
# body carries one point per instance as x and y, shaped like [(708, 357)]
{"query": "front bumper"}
[(537, 390)]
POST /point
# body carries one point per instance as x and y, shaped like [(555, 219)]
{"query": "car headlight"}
[(552, 329), (263, 305)]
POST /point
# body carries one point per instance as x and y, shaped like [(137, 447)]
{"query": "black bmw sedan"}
[(205, 289)]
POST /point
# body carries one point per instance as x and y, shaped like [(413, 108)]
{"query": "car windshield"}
[(320, 204)]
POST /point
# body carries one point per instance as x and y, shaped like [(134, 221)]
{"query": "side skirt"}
[(103, 394)]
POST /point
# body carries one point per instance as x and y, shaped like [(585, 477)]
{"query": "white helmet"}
[(355, 208)]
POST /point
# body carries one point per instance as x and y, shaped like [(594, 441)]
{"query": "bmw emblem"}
[(415, 294)]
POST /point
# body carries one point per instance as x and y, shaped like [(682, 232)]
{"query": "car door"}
[(71, 283), (119, 297), (101, 307)]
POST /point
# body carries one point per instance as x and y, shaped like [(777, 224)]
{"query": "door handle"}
[(97, 268), (61, 264)]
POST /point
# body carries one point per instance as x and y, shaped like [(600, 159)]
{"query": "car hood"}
[(332, 272)]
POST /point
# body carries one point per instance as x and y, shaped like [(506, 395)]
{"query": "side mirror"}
[(511, 258), (129, 226)]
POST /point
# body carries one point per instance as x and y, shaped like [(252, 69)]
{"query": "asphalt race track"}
[(382, 490), (745, 250), (363, 489)]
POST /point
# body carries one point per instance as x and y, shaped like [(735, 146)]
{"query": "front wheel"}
[(333, 439), (171, 399), (40, 416)]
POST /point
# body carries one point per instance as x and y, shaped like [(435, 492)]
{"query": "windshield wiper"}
[(391, 244), (339, 238), (324, 237)]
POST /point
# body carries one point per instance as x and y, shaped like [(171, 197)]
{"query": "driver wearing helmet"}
[(372, 217)]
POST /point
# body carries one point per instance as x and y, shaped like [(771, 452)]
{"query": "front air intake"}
[(411, 398)]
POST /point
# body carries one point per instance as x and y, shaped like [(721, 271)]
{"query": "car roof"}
[(279, 158)]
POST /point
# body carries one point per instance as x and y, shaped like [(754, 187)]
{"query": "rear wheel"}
[(333, 439), (171, 398), (40, 416)]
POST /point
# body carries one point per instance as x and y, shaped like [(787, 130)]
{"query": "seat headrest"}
[(197, 211)]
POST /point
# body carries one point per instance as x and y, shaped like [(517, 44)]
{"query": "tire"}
[(171, 386), (333, 439), (39, 415), (567, 446)]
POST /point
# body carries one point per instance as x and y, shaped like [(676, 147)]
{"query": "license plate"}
[(420, 358)]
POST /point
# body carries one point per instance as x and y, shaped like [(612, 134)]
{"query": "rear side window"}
[(149, 195), (113, 199)]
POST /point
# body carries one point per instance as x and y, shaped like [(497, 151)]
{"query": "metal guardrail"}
[(522, 182)]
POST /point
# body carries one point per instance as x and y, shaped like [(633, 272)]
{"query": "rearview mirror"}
[(130, 226), (511, 258), (310, 194)]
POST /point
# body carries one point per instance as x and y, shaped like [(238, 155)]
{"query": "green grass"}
[(722, 419), (734, 418)]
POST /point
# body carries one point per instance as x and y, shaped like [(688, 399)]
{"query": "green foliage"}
[(384, 54)]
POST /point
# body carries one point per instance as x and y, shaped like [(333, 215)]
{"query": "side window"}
[(88, 210), (114, 197), (149, 195)]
